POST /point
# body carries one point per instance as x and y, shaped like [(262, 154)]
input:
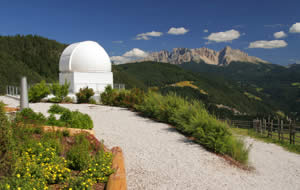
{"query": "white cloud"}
[(295, 28), (147, 35), (120, 59), (226, 36), (297, 61), (129, 56), (177, 31), (118, 42), (280, 34), (268, 44), (205, 30), (135, 52)]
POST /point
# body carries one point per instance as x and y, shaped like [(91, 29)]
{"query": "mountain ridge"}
[(206, 55)]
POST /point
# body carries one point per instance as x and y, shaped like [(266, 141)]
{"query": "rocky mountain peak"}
[(209, 56)]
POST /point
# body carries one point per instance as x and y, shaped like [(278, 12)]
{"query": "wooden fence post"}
[(272, 129), (278, 128), (293, 132), (268, 126), (264, 126), (281, 130), (290, 130)]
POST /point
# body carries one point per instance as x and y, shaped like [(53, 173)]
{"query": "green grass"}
[(285, 144), (259, 89), (252, 96), (296, 84)]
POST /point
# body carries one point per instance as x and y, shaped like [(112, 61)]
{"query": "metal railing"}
[(13, 90), (119, 86)]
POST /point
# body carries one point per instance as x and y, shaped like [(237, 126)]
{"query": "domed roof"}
[(87, 56)]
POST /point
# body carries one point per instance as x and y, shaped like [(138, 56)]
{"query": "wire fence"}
[(275, 129), (12, 90), (119, 86)]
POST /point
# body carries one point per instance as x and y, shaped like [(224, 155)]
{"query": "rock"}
[(183, 55)]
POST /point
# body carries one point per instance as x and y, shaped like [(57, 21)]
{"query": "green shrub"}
[(83, 96), (237, 150), (192, 119), (188, 116), (67, 99), (72, 119), (6, 142), (40, 164), (39, 91), (59, 91), (75, 119), (29, 161), (52, 121), (98, 171), (28, 116), (92, 101), (57, 109), (106, 97), (134, 97), (123, 98), (79, 154)]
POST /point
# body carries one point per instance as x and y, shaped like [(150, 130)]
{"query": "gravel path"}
[(157, 157)]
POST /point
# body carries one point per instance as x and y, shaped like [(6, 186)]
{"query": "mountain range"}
[(208, 56)]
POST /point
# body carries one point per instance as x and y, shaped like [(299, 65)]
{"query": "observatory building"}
[(85, 64)]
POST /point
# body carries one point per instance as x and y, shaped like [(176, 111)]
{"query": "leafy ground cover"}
[(32, 159), (250, 132), (188, 117), (67, 118)]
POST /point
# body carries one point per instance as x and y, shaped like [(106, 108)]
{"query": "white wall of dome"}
[(87, 56)]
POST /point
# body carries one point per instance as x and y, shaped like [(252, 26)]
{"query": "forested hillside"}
[(32, 56), (211, 90), (274, 84)]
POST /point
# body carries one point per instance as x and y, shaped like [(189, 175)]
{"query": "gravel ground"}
[(157, 157)]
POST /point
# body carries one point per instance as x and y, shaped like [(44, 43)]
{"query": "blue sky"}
[(116, 24)]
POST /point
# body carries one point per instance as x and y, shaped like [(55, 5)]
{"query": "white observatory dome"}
[(87, 56)]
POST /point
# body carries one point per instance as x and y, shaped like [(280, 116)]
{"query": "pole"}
[(24, 94)]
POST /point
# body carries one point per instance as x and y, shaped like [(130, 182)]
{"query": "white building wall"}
[(67, 77), (97, 81)]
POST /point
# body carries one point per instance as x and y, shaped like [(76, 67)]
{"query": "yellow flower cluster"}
[(99, 170), (41, 166)]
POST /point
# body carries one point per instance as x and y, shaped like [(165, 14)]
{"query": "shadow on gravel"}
[(170, 129), (187, 141)]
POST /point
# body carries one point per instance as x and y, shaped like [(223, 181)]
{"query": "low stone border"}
[(117, 180)]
